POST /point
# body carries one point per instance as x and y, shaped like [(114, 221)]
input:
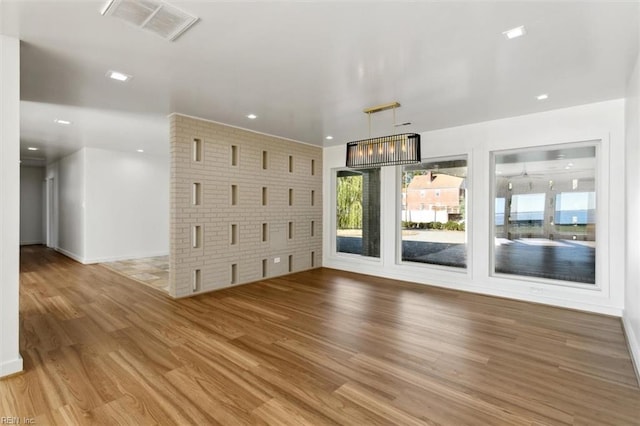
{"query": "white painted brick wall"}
[(216, 214)]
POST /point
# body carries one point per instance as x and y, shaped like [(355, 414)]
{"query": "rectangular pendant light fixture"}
[(390, 150)]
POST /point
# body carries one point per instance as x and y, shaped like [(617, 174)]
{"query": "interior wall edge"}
[(10, 360), (12, 367), (71, 255), (632, 342)]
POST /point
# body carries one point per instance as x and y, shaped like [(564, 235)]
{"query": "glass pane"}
[(358, 212), (545, 213), (527, 215), (434, 213), (499, 211)]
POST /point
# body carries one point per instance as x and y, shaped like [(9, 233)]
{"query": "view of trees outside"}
[(349, 202), (358, 212)]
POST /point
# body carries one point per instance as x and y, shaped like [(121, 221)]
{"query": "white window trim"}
[(333, 221), (602, 221), (468, 224)]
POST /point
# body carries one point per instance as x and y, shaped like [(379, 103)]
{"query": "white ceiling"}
[(307, 69)]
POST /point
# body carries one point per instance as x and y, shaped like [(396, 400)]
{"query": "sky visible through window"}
[(527, 207), (575, 207)]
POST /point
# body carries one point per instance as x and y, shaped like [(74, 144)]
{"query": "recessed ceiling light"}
[(542, 97), (140, 150), (65, 122), (329, 138), (32, 148), (119, 76), (252, 116), (514, 32)]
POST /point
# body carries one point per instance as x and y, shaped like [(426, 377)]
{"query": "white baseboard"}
[(94, 260), (30, 243), (71, 255), (10, 367), (127, 257), (469, 286), (634, 344)]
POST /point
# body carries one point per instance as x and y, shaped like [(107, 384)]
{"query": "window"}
[(499, 211), (575, 208), (545, 213), (358, 212), (434, 232), (527, 215)]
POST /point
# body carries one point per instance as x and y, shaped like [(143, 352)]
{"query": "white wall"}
[(71, 205), (127, 205), (31, 205), (112, 205), (52, 191), (10, 360), (601, 121), (631, 315)]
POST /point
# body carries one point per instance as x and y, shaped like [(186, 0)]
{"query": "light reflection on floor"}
[(150, 271)]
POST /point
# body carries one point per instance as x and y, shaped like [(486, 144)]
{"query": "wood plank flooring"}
[(318, 347)]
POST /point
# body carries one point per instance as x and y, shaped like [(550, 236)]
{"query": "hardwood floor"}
[(318, 347)]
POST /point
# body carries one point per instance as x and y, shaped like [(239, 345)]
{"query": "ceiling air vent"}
[(158, 17)]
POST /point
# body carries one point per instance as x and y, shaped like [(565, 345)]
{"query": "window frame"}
[(602, 219), (334, 222), (467, 270)]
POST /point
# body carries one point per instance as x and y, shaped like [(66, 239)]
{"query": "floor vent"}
[(158, 17)]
